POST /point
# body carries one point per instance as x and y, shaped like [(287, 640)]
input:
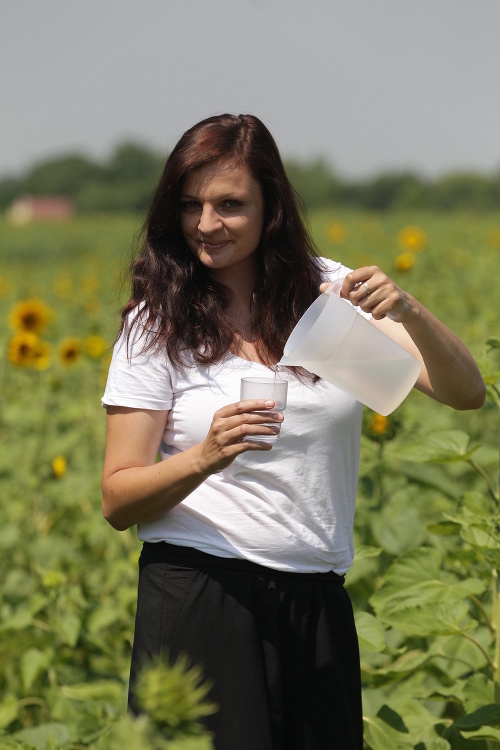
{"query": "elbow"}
[(115, 522), (475, 397), (112, 514), (480, 397), (113, 518)]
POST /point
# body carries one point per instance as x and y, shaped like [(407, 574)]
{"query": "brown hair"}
[(173, 295)]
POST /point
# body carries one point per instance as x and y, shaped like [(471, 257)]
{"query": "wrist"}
[(201, 467)]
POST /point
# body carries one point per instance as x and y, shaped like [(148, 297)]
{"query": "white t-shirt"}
[(291, 508)]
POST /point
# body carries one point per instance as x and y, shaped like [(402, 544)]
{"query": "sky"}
[(370, 85)]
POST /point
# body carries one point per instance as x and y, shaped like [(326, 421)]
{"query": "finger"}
[(242, 407), (226, 430), (248, 431), (356, 277), (358, 284)]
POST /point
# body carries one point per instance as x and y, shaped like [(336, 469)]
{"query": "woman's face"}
[(221, 216)]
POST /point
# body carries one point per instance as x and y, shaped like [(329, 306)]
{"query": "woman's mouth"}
[(211, 246)]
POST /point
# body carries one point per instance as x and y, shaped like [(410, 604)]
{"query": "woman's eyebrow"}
[(229, 194)]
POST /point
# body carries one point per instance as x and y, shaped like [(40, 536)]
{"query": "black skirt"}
[(280, 649)]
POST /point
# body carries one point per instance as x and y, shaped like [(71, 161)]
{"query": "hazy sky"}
[(370, 84)]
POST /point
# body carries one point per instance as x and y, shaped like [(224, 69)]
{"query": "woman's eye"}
[(189, 205), (230, 203)]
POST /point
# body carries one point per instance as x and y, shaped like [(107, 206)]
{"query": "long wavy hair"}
[(173, 295)]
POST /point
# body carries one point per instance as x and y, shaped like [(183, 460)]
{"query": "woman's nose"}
[(209, 222)]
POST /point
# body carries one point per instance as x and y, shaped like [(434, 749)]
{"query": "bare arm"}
[(449, 373), (137, 489)]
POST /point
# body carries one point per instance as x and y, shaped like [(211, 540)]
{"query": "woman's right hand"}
[(231, 428)]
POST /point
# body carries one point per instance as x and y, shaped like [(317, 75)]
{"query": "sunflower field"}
[(425, 583)]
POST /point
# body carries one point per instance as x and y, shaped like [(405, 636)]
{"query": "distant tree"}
[(132, 161), (465, 191), (314, 181), (127, 179), (10, 188), (132, 195), (392, 190), (63, 175)]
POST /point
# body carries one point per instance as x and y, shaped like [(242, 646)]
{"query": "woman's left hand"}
[(374, 292)]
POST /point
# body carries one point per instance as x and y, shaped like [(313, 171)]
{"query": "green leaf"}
[(415, 600), (393, 719), (23, 616), (492, 556), (479, 536), (378, 735), (33, 662), (481, 735), (68, 627), (9, 709), (444, 528), (364, 551), (486, 715), (438, 619), (438, 447), (98, 690), (41, 735), (435, 743), (102, 617), (370, 632), (399, 532), (478, 691), (493, 342), (406, 664)]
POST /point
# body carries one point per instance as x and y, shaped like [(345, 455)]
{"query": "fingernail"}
[(269, 403)]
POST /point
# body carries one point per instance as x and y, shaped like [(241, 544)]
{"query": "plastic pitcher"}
[(335, 342)]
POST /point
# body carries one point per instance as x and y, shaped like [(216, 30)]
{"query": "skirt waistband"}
[(164, 552)]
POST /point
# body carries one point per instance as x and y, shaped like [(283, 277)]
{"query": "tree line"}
[(126, 180)]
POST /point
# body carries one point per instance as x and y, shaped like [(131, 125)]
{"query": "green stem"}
[(481, 471), (481, 648), (496, 623), (494, 583), (380, 474), (23, 702), (482, 609)]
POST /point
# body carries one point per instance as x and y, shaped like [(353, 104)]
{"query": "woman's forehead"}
[(221, 177)]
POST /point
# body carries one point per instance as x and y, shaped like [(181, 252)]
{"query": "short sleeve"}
[(138, 379), (331, 270)]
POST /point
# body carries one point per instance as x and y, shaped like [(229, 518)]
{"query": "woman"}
[(246, 543)]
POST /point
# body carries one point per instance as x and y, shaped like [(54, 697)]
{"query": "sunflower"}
[(22, 349), (43, 357), (70, 351), (31, 315), (404, 261), (494, 238), (53, 579), (412, 238), (63, 286), (380, 428), (89, 285), (95, 346), (27, 350), (336, 233), (59, 466)]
